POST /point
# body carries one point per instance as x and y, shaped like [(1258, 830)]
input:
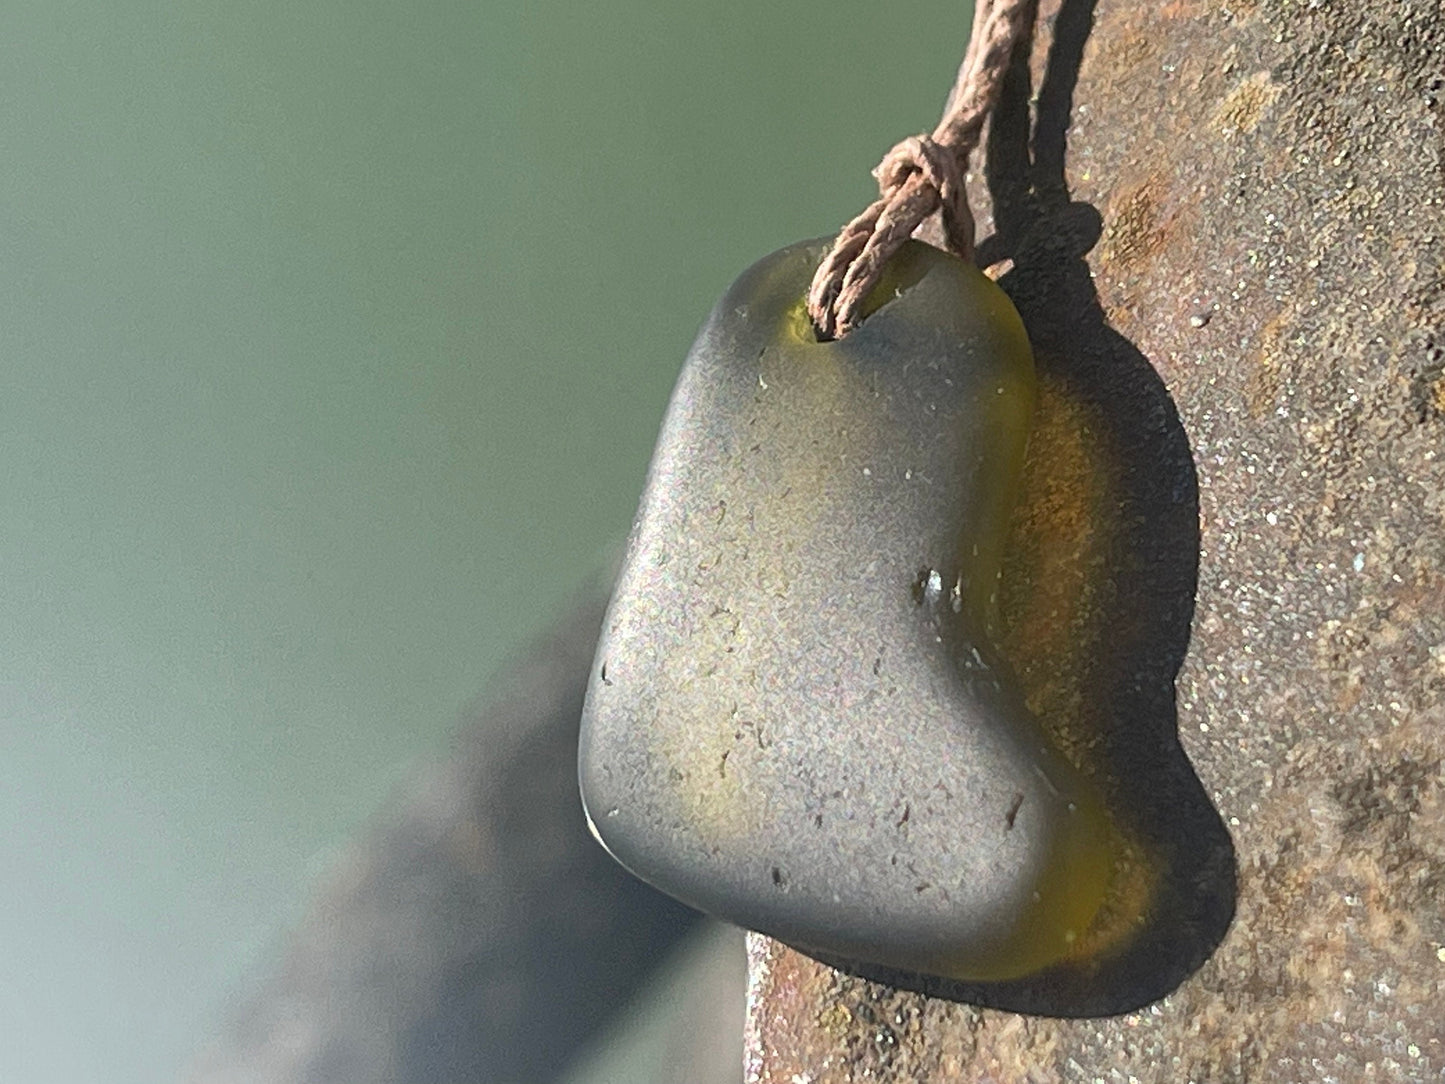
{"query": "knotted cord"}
[(922, 174)]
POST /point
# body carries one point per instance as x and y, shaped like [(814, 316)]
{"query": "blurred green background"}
[(333, 340)]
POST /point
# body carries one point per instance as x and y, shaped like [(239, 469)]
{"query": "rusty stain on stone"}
[(1134, 232), (1240, 112)]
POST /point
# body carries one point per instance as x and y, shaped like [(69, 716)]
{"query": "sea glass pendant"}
[(797, 720)]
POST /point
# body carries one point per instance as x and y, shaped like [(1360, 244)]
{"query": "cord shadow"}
[(1124, 710)]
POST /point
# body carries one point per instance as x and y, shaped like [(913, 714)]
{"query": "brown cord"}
[(921, 175)]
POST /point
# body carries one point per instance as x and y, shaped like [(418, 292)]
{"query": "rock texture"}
[(1259, 187)]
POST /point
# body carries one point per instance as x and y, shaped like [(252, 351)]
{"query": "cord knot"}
[(921, 175), (916, 178), (941, 169)]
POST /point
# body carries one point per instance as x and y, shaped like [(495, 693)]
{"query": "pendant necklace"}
[(798, 719)]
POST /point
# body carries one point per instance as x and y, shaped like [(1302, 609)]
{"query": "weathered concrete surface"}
[(1269, 179)]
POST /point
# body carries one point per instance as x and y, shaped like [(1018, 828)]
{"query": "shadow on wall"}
[(1099, 585)]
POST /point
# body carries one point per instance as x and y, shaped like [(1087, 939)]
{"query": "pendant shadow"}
[(1099, 597)]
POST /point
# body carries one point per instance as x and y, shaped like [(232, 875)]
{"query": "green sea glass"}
[(797, 719)]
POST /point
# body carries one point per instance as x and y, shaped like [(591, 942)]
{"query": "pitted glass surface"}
[(797, 720)]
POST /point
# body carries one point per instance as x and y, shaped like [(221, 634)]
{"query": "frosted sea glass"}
[(796, 719)]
